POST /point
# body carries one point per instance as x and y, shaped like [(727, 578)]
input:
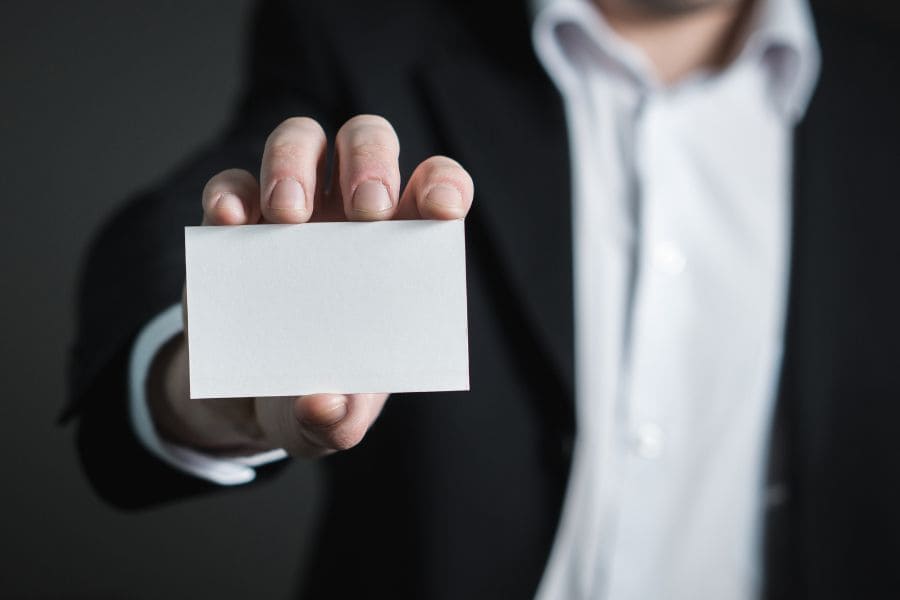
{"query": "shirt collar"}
[(785, 37), (782, 36)]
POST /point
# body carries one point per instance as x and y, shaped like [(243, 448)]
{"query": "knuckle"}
[(448, 174), (368, 121), (294, 137), (440, 169), (439, 160), (284, 151), (216, 181), (217, 185), (370, 153), (288, 158), (304, 126), (238, 175), (346, 436), (368, 134)]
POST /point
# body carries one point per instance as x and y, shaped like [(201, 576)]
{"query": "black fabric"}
[(465, 489)]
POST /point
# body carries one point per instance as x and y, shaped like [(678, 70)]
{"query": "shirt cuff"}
[(222, 471)]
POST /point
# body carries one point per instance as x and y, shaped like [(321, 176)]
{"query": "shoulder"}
[(858, 89), (859, 48), (387, 25)]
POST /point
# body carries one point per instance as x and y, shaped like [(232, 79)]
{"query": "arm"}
[(151, 349), (136, 268)]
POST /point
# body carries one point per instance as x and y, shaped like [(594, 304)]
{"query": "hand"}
[(365, 187)]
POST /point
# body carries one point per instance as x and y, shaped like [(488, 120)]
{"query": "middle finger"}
[(368, 174)]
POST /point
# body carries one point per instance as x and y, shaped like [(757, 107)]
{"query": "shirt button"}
[(668, 258), (648, 440)]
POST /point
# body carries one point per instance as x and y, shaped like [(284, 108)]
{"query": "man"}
[(681, 249)]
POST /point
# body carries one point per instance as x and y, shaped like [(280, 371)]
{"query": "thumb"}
[(317, 424)]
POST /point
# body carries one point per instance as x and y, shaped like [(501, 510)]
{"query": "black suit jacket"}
[(466, 488)]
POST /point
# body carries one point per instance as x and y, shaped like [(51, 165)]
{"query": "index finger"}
[(293, 158)]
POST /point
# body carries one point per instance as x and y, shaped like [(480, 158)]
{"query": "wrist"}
[(225, 426)]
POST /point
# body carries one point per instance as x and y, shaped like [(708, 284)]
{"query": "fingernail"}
[(287, 195), (327, 413), (371, 197), (445, 196), (231, 204)]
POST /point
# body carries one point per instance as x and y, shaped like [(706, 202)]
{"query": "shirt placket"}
[(649, 398)]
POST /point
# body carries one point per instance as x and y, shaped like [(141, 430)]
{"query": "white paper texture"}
[(284, 310)]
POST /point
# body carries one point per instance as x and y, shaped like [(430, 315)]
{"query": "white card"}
[(285, 310)]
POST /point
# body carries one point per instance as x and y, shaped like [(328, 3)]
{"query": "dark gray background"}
[(97, 100)]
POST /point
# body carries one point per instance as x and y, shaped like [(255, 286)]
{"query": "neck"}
[(680, 42)]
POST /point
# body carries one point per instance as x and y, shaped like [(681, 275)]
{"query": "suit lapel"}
[(839, 385), (511, 135)]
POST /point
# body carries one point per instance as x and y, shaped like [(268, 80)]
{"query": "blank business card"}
[(285, 310)]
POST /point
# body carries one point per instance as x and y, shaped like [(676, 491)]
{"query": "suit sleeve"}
[(134, 269)]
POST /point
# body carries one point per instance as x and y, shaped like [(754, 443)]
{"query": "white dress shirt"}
[(681, 218)]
